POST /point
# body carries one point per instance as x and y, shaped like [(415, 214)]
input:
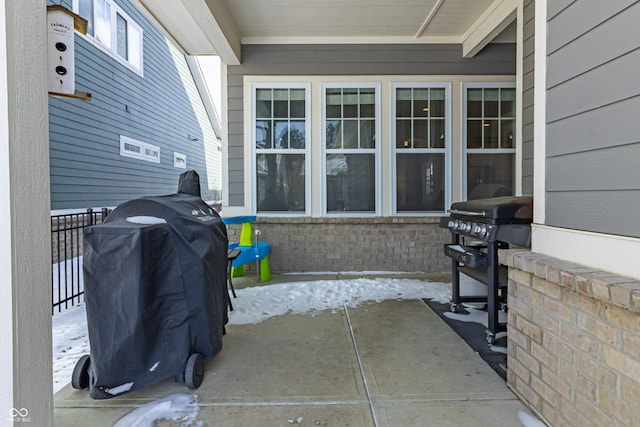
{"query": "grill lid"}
[(495, 209)]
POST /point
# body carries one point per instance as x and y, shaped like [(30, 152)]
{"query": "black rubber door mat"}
[(474, 335)]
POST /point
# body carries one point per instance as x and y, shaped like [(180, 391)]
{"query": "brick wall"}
[(574, 341), (353, 244)]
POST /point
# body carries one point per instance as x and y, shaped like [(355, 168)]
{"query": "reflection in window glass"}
[(280, 142), (420, 181), (489, 175), (280, 182), (350, 141), (122, 40), (351, 182), (419, 113)]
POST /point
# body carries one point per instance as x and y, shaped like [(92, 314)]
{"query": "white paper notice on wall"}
[(60, 45)]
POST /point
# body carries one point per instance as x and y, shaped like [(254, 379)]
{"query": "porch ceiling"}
[(220, 27)]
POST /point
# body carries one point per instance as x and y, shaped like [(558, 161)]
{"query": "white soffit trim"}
[(200, 27), (492, 22), (616, 254)]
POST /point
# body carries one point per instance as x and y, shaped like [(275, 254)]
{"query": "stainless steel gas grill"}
[(478, 229)]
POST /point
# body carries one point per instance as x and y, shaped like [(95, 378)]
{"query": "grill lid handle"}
[(466, 213)]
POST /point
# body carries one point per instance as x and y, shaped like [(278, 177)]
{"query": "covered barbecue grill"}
[(478, 229), (155, 290)]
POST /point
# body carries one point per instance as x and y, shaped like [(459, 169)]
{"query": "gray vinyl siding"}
[(528, 96), (161, 108), (347, 60), (593, 131)]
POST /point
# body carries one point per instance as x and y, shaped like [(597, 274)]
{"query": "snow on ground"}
[(258, 303), (176, 407), (253, 305)]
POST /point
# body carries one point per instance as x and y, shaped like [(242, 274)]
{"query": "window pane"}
[(506, 133), (403, 102), (263, 103), (350, 133), (350, 103), (403, 133), (280, 103), (85, 9), (281, 139), (437, 136), (489, 175), (420, 182), (507, 102), (350, 182), (333, 134), (436, 105), (474, 103), (280, 182), (474, 133), (122, 41), (491, 129), (334, 103), (103, 23), (297, 104), (421, 103), (367, 134), (367, 103), (297, 135), (135, 46), (263, 134), (491, 97), (420, 134)]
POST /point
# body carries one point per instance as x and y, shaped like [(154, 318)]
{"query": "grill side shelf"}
[(483, 277)]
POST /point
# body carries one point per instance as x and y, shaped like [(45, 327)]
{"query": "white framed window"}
[(179, 160), (350, 143), (281, 141), (130, 147), (421, 132), (489, 111), (112, 30)]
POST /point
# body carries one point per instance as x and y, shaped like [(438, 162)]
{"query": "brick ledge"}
[(608, 287)]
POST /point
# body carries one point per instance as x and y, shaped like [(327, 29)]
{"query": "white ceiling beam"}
[(429, 17), (492, 22), (198, 27)]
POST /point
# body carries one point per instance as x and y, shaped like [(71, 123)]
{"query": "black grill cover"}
[(155, 290)]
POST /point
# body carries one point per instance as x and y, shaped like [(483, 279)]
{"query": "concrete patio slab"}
[(392, 363)]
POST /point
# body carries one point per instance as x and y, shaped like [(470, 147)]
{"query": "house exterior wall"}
[(345, 60), (407, 244), (162, 107), (528, 51), (592, 131), (380, 241)]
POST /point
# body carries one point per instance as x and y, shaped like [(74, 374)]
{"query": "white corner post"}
[(25, 242)]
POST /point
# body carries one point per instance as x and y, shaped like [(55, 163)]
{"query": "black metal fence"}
[(66, 256)]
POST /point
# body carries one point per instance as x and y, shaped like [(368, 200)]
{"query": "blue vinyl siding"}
[(161, 108)]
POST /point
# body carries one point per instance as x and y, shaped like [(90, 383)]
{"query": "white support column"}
[(25, 243), (540, 113)]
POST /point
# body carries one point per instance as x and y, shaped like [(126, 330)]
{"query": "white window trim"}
[(143, 148), (376, 151), (179, 160), (446, 150), (306, 151), (112, 51), (465, 150)]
